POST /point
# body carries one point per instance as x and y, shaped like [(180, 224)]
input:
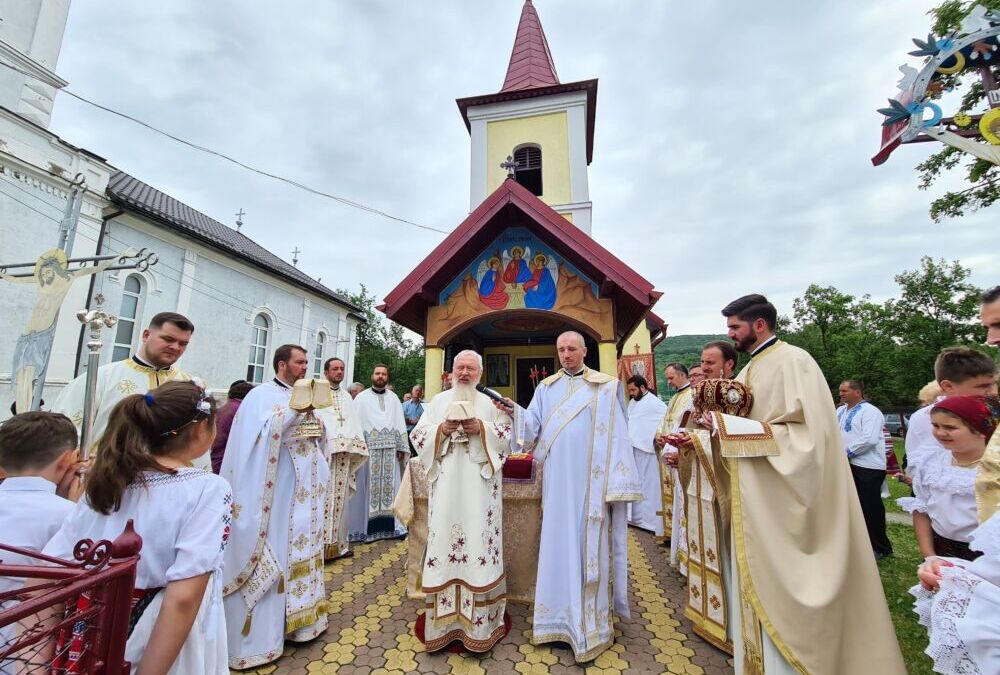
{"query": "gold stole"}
[(680, 401)]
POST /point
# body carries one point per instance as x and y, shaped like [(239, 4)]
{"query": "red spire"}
[(531, 65)]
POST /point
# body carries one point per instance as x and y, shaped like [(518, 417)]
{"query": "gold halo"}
[(46, 258)]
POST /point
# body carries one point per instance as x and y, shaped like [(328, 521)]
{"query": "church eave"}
[(633, 295), (588, 86)]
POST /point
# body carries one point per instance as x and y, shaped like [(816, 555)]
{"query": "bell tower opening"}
[(528, 168)]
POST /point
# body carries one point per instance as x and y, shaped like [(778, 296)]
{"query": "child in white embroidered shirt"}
[(142, 471)]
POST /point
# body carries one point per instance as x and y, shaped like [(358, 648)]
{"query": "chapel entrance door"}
[(525, 368)]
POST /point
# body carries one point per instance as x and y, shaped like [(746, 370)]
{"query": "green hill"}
[(684, 349)]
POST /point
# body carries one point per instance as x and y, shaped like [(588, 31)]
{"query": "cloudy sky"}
[(731, 153)]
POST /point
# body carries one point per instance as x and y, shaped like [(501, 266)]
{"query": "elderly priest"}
[(461, 441), (577, 428)]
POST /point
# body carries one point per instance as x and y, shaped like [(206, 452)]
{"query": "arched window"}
[(318, 354), (128, 315), (260, 334), (529, 168)]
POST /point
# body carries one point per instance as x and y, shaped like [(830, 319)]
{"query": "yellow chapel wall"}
[(550, 132), (640, 336), (515, 352)]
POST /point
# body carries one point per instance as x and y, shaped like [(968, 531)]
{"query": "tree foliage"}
[(890, 346), (983, 178), (382, 341)]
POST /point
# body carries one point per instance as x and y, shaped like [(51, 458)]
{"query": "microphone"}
[(493, 395)]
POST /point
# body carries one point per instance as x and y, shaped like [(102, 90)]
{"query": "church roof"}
[(132, 194), (531, 64), (512, 205)]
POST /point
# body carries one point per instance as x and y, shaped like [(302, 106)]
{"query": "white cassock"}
[(674, 499), (369, 512), (576, 426), (463, 571), (345, 453), (274, 562), (961, 618), (644, 418), (115, 381), (184, 521)]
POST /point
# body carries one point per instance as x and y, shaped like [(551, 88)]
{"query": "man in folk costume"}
[(462, 441), (154, 362), (806, 582), (380, 414), (645, 411), (346, 453), (273, 571), (673, 495), (576, 427)]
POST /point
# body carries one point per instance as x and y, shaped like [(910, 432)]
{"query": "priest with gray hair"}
[(462, 441)]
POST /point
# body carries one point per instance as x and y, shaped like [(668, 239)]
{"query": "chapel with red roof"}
[(523, 267)]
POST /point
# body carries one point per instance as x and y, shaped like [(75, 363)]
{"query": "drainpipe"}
[(90, 289)]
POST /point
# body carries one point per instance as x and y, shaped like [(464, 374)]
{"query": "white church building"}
[(244, 300)]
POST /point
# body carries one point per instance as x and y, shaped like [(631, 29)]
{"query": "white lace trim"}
[(986, 537), (911, 504), (938, 474), (938, 612)]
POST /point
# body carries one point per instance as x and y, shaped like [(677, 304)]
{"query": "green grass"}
[(899, 574)]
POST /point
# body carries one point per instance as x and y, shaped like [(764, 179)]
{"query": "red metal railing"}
[(69, 617)]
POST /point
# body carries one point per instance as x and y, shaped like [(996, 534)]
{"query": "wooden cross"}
[(511, 166)]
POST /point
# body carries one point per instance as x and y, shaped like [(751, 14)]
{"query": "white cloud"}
[(731, 155)]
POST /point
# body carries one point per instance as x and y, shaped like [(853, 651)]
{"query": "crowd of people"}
[(768, 496)]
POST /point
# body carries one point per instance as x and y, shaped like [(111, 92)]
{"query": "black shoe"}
[(880, 556)]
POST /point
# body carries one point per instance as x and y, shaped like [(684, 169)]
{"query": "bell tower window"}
[(529, 168)]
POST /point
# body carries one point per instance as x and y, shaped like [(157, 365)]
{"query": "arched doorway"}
[(518, 348)]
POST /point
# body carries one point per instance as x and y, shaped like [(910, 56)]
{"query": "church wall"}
[(222, 296), (551, 132)]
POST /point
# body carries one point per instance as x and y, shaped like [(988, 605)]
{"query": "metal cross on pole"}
[(295, 256), (511, 165), (239, 218)]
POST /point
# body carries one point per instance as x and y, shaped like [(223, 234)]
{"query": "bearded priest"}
[(803, 562), (462, 440)]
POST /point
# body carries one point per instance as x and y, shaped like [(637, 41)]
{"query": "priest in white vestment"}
[(462, 440), (576, 426), (645, 411), (154, 362), (809, 593), (674, 521), (346, 453), (273, 571), (380, 414)]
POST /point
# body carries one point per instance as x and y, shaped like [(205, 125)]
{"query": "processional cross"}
[(52, 273)]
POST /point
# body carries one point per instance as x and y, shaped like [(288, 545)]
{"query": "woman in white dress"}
[(142, 471), (958, 600), (944, 505)]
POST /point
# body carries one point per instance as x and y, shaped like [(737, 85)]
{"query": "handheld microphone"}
[(492, 395)]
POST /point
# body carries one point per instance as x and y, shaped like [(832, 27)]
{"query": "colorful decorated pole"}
[(914, 117), (95, 319)]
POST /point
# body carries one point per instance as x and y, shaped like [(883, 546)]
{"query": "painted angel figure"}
[(540, 289), (31, 354), (491, 285), (515, 265)]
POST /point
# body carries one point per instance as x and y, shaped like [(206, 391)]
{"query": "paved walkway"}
[(371, 627)]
